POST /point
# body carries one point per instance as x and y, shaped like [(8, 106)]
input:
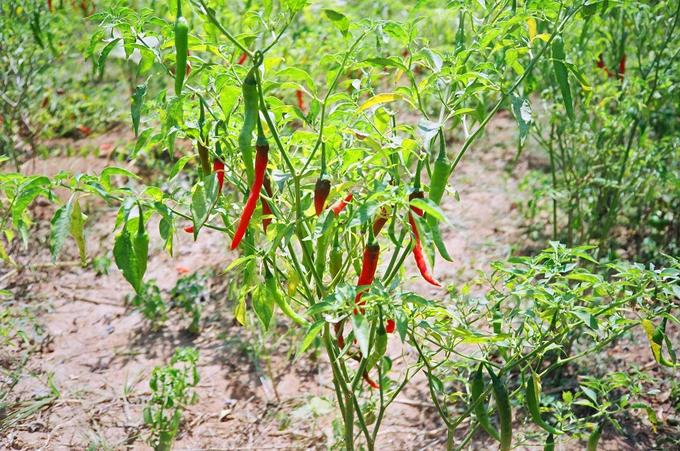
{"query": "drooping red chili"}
[(300, 101), (321, 191), (418, 254), (341, 204), (261, 159), (242, 59), (390, 325), (266, 210), (622, 66), (218, 168)]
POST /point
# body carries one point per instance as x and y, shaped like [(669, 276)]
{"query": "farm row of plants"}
[(322, 139)]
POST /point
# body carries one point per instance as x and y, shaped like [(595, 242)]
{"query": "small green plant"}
[(171, 391), (148, 302), (187, 294)]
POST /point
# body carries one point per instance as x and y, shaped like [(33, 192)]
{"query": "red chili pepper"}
[(242, 59), (261, 158), (321, 191), (369, 265), (622, 66), (266, 210), (418, 254), (370, 381), (301, 103), (218, 168), (189, 229), (380, 221), (49, 5), (340, 205), (390, 326)]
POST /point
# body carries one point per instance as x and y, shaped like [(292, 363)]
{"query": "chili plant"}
[(334, 199)]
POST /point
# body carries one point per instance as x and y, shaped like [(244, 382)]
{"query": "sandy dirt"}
[(98, 354)]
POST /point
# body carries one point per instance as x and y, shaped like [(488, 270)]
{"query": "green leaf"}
[(430, 208), (522, 112), (101, 61), (61, 224), (77, 225), (362, 330), (203, 200), (136, 109), (28, 191), (177, 168), (312, 333), (107, 173), (562, 75), (263, 305), (340, 21), (130, 252)]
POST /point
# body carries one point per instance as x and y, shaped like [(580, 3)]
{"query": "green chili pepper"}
[(250, 112), (181, 47), (500, 394), (476, 392), (533, 391), (438, 181), (335, 261), (273, 290)]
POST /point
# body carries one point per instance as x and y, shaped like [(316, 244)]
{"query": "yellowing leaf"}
[(378, 100), (531, 25)]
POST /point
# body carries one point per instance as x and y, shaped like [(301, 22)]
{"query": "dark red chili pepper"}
[(369, 265), (218, 168), (416, 195), (601, 64), (301, 103), (380, 221), (622, 66), (261, 158), (266, 210), (321, 191), (49, 5), (189, 229), (242, 59), (390, 325), (340, 205)]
